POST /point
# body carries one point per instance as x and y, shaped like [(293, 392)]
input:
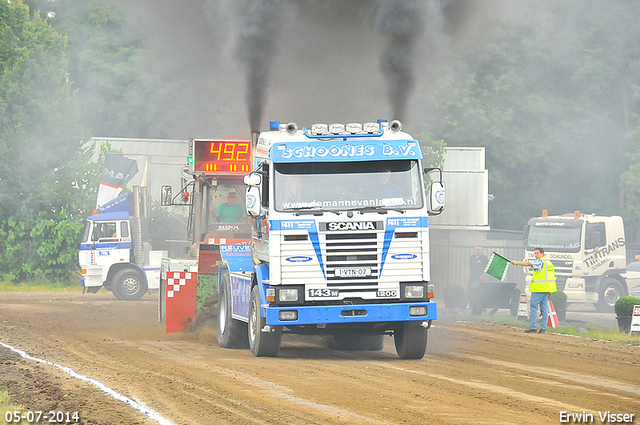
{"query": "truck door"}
[(105, 231), (595, 236)]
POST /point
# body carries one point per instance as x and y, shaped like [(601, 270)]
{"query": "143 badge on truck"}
[(323, 292)]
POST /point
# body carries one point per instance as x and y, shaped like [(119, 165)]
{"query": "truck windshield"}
[(88, 225), (559, 239), (335, 186)]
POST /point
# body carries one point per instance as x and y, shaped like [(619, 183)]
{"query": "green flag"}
[(497, 266)]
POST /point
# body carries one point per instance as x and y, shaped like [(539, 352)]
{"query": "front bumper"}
[(363, 313)]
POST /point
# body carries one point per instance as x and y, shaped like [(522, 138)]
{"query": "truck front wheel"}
[(411, 340), (609, 293), (262, 344), (232, 333), (128, 285)]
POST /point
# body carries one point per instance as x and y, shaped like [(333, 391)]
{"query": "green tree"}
[(45, 174), (108, 67), (550, 95)]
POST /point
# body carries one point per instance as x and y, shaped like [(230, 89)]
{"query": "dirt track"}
[(473, 373)]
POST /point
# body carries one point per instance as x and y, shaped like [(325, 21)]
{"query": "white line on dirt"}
[(576, 377), (136, 405), (491, 387)]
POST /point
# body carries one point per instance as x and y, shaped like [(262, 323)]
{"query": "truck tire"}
[(129, 285), (610, 292), (232, 333), (350, 342), (411, 340), (262, 344)]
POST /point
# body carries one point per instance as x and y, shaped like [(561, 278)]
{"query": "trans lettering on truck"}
[(599, 255)]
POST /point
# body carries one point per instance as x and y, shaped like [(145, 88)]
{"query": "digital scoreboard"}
[(226, 157)]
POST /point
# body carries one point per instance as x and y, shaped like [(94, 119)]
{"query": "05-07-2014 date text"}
[(35, 417)]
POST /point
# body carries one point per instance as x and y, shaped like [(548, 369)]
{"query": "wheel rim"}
[(253, 322), (130, 285), (610, 295)]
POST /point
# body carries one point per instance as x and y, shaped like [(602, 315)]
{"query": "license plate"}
[(353, 272)]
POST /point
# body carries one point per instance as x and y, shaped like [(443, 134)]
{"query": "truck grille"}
[(352, 252)]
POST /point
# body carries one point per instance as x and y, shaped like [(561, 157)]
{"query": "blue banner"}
[(344, 151)]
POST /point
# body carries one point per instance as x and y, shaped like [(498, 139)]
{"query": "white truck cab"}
[(113, 254), (588, 253)]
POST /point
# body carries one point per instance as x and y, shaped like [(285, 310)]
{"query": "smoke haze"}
[(235, 65)]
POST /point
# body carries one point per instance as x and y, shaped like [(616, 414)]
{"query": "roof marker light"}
[(354, 128), (371, 127), (319, 129)]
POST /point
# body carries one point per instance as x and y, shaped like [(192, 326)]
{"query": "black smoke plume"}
[(257, 49), (401, 23)]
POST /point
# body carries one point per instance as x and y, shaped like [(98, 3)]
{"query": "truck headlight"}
[(288, 295), (414, 291)]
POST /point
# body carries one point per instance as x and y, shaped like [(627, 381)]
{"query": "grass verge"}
[(598, 332), (40, 287), (6, 407)]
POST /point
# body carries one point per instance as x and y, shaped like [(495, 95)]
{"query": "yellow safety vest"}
[(545, 279)]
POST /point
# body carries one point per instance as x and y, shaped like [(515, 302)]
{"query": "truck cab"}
[(339, 243), (588, 253), (113, 253)]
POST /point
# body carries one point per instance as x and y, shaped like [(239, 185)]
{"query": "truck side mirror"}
[(253, 179), (165, 196), (437, 197), (252, 201)]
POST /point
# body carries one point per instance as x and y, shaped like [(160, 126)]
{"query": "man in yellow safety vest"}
[(543, 283)]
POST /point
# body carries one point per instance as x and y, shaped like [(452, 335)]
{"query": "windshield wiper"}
[(305, 210), (379, 209)]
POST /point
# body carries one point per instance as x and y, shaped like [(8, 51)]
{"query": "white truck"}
[(588, 253), (114, 253), (339, 244)]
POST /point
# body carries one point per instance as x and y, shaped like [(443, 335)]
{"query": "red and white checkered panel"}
[(178, 280), (181, 300)]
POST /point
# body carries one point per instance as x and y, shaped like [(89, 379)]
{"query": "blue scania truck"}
[(339, 241)]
